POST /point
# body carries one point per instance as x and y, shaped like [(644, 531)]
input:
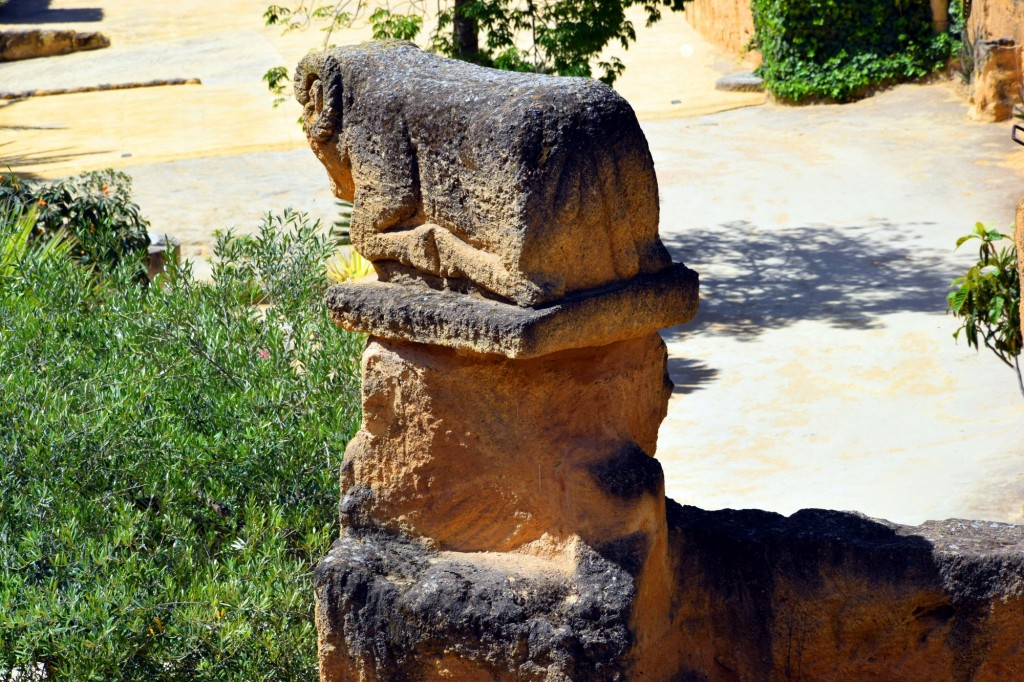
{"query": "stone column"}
[(1018, 240), (502, 514), (996, 80)]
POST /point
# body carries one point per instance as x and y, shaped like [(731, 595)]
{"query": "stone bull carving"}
[(523, 187)]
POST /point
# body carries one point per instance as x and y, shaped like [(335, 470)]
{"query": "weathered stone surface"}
[(522, 185), (594, 318), (818, 596), (996, 79), (483, 453), (996, 18), (745, 81), (34, 43), (825, 595), (392, 609), (514, 381)]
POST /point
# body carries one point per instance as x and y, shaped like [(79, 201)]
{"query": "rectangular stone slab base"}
[(819, 595), (390, 608)]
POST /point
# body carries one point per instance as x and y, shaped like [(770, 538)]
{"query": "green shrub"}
[(96, 208), (169, 464), (840, 50), (987, 298)]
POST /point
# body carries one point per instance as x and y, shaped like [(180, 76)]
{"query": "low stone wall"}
[(817, 596), (30, 44), (828, 595)]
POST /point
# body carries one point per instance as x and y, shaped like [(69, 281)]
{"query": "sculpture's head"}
[(319, 88)]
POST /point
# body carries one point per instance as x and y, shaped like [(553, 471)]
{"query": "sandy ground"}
[(821, 369)]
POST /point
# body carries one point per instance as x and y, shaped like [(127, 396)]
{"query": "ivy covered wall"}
[(842, 49)]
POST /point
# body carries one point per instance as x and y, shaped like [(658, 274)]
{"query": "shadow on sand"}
[(39, 12), (757, 279), (689, 375)]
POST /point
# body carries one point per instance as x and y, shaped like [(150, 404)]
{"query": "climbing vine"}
[(840, 50)]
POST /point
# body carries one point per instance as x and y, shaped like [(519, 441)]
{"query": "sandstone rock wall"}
[(728, 24), (996, 81), (826, 595), (991, 19), (820, 596), (996, 29)]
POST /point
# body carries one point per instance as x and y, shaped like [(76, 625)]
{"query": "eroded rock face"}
[(996, 79), (484, 453), (393, 609), (818, 596), (35, 43), (523, 186), (826, 595)]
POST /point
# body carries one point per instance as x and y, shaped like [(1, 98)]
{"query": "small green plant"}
[(96, 208), (987, 298)]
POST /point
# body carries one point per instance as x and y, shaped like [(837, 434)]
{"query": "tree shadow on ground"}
[(15, 164), (756, 279), (39, 12), (689, 375)]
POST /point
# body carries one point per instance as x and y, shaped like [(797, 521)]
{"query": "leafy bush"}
[(987, 298), (839, 50), (169, 464), (96, 208)]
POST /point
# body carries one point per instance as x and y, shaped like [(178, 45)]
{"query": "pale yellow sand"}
[(231, 112)]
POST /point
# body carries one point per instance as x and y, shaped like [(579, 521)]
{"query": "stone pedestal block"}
[(486, 453)]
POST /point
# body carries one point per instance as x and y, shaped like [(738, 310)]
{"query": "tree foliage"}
[(563, 37)]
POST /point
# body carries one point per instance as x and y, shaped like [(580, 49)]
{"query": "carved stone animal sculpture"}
[(520, 187)]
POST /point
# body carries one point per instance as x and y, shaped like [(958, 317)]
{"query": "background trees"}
[(563, 37)]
